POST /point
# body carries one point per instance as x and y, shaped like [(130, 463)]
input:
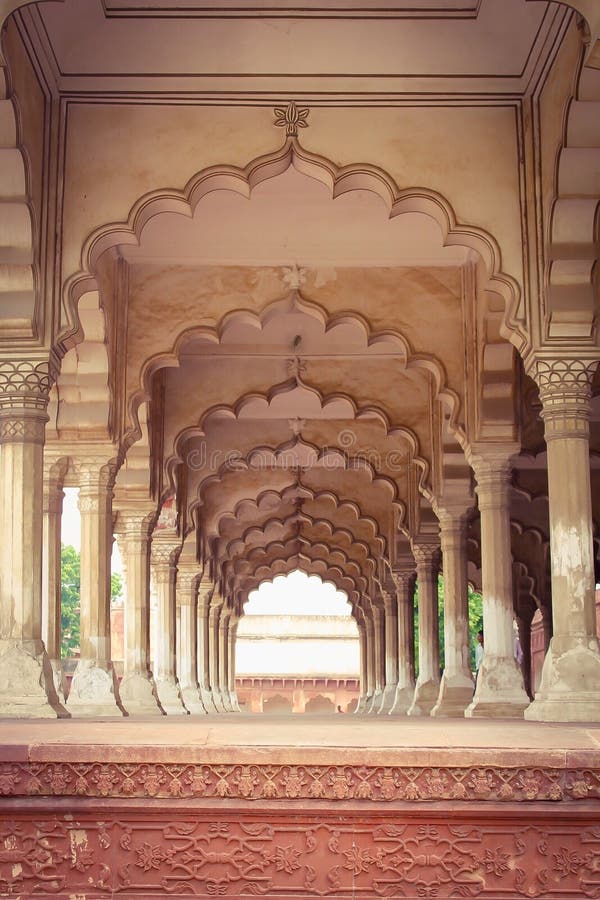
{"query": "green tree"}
[(69, 600), (475, 621), (70, 595)]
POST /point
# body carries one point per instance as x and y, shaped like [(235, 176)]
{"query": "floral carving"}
[(291, 118)]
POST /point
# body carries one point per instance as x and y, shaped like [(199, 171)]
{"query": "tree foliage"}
[(475, 621)]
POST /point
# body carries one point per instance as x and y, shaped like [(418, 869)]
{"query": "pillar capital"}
[(426, 553), (565, 387), (492, 466), (187, 583)]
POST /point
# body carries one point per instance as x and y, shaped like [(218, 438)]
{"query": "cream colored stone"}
[(499, 689), (428, 681)]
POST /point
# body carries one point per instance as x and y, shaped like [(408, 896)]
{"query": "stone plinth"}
[(221, 809)]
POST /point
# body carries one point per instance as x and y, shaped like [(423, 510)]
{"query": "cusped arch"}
[(339, 180)]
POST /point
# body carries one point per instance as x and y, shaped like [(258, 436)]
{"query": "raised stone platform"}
[(343, 807)]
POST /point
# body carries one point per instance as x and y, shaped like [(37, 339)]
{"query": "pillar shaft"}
[(187, 664), (138, 693), (224, 658), (26, 677), (51, 573), (94, 690), (570, 683), (499, 690), (214, 615), (428, 682), (204, 679), (456, 687), (165, 552), (391, 652), (404, 582), (378, 633)]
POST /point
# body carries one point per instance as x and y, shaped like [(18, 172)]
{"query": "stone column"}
[(94, 690), (570, 684), (205, 590), (370, 648), (137, 689), (51, 571), (391, 651), (224, 619), (405, 589), (428, 683), (163, 566), (499, 690), (378, 658), (456, 687), (26, 678), (187, 664), (231, 637), (214, 614), (362, 638)]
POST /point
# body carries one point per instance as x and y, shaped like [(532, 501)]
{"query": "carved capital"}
[(426, 556), (493, 473), (25, 384), (187, 585), (404, 579), (565, 387)]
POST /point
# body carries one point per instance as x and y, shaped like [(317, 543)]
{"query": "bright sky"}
[(297, 594)]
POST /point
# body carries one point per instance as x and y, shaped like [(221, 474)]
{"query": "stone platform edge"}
[(312, 774)]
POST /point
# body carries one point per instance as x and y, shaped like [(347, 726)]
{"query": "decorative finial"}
[(294, 277), (296, 426), (292, 118), (296, 369)]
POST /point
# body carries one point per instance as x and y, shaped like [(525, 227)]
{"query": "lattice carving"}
[(207, 855)]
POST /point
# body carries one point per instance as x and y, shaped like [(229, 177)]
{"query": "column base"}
[(60, 682), (425, 698), (235, 706), (207, 701), (138, 695), (169, 696), (226, 701), (570, 685), (456, 693), (403, 700), (193, 701), (218, 701), (374, 703), (27, 688), (94, 690), (361, 706), (499, 692), (389, 696)]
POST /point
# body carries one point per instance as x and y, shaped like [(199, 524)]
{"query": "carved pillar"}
[(378, 658), (390, 625), (26, 677), (137, 689), (187, 664), (499, 690), (362, 638), (370, 648), (163, 563), (405, 589), (570, 685), (94, 690), (231, 637), (51, 571), (224, 657), (456, 687), (214, 614), (428, 683), (205, 590)]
